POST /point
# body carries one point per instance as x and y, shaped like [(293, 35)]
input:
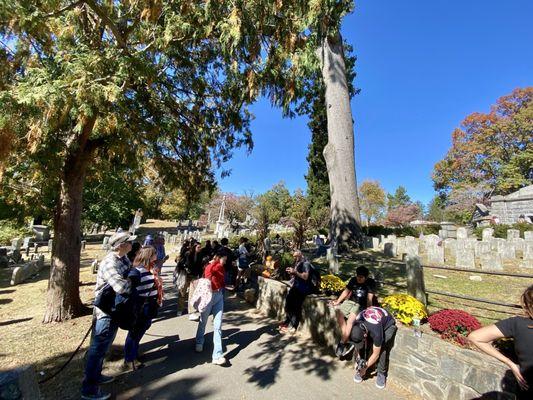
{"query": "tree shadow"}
[(509, 388), (7, 291), (14, 321)]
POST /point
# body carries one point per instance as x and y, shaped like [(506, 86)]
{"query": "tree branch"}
[(114, 29), (62, 10)]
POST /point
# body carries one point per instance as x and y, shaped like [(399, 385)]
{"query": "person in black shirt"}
[(229, 266), (297, 293), (358, 295), (375, 327), (521, 330)]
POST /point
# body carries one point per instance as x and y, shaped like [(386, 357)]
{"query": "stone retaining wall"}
[(428, 366)]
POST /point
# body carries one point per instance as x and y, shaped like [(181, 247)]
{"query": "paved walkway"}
[(262, 364)]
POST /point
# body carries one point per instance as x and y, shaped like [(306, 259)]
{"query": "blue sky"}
[(422, 67)]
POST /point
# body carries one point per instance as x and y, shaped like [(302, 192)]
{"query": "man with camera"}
[(374, 328)]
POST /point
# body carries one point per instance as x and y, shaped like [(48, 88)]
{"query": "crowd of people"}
[(204, 272)]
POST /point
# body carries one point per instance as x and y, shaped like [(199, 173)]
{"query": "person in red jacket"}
[(214, 271)]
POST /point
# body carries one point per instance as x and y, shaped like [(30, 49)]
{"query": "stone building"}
[(510, 209)]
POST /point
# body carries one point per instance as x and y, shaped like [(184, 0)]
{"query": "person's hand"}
[(362, 372), (333, 303), (521, 381)]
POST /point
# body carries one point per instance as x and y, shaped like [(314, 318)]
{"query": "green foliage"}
[(287, 260), (491, 149), (500, 230), (436, 209), (276, 202), (371, 200), (399, 198), (10, 230)]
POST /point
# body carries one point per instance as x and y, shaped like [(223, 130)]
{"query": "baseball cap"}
[(357, 336), (121, 237)]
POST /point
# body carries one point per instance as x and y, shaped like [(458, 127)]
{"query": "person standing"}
[(243, 261), (112, 271), (147, 290), (519, 328), (214, 271), (297, 293)]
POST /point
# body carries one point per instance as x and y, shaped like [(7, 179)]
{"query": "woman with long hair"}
[(519, 328), (147, 289)]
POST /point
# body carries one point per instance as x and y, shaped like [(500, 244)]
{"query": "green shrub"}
[(287, 260), (10, 230)]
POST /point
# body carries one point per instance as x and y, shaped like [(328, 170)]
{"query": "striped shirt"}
[(143, 281), (112, 271)]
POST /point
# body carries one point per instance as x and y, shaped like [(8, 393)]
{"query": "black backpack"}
[(314, 279)]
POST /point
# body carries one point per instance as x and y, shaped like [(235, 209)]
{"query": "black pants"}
[(293, 307), (388, 343)]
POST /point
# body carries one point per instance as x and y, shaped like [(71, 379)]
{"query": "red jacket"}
[(214, 271)]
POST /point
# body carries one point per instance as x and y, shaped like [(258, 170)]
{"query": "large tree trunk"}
[(63, 297), (339, 153)]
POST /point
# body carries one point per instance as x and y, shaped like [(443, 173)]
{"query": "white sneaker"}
[(194, 317), (219, 361), (199, 348)]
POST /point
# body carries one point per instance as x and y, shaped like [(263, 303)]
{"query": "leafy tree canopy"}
[(372, 200), (494, 149), (399, 198)]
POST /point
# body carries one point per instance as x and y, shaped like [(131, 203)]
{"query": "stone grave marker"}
[(491, 262), (487, 234), (528, 236), (465, 258), (411, 246), (50, 244), (513, 234), (450, 249), (462, 233), (388, 249), (508, 251), (16, 243), (482, 248)]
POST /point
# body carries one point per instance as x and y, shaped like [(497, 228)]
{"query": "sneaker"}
[(339, 351), (219, 361), (381, 381), (105, 379), (97, 396), (348, 347), (357, 378), (199, 348), (194, 317)]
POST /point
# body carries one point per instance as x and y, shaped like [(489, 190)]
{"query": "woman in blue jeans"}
[(214, 271), (148, 292)]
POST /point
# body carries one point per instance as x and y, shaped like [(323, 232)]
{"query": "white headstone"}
[(465, 258), (513, 234), (487, 234), (462, 233), (491, 262), (528, 236)]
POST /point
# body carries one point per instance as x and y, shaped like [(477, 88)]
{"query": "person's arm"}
[(115, 280), (482, 338), (346, 293), (376, 350), (369, 299)]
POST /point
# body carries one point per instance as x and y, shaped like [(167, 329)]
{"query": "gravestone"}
[(496, 244), (482, 248), (105, 243), (450, 249), (36, 248), (487, 234), (528, 256), (50, 244), (518, 244), (436, 254), (388, 249), (41, 232), (528, 236), (16, 243), (508, 251), (415, 279), (83, 244), (491, 261), (462, 233), (400, 246), (411, 246), (513, 234), (465, 258), (19, 384)]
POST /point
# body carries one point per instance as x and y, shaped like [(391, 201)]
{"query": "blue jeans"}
[(216, 307), (131, 347), (104, 332)]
